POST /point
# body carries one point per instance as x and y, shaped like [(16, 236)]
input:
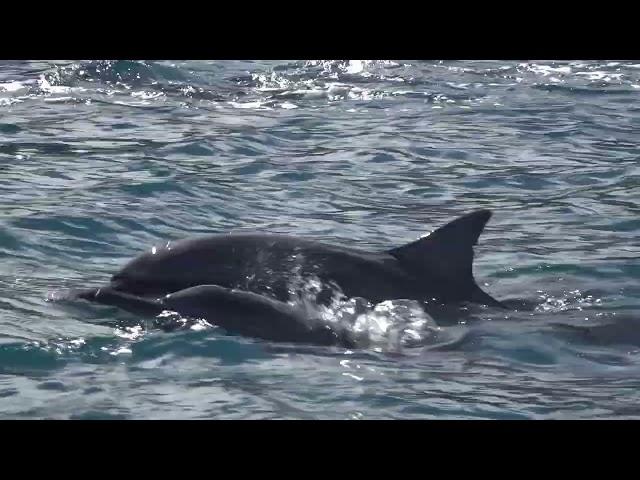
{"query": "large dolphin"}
[(237, 312), (436, 269)]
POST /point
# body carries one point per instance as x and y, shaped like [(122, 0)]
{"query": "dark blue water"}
[(101, 160)]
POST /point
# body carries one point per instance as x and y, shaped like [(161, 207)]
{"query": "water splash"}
[(571, 300)]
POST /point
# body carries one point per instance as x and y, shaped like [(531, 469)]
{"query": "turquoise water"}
[(101, 160)]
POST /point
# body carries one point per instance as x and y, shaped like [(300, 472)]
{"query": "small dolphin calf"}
[(237, 312), (436, 269)]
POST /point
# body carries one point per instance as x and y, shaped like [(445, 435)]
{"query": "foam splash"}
[(12, 87), (389, 325), (170, 321), (572, 300)]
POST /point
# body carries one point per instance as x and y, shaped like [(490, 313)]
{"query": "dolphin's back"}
[(263, 263), (249, 314), (436, 267)]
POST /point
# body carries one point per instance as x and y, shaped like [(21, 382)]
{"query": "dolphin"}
[(237, 312), (435, 269)]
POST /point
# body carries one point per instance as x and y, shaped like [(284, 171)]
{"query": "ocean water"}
[(100, 160)]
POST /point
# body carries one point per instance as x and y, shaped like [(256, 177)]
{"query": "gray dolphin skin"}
[(436, 269), (238, 312)]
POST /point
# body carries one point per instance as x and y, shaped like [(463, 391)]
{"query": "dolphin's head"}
[(156, 271), (124, 282)]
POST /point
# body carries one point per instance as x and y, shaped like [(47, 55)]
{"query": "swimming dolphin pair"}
[(435, 269)]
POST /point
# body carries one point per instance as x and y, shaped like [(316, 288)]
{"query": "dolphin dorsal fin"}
[(448, 251)]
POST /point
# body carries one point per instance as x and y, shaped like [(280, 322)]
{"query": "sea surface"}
[(101, 160)]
